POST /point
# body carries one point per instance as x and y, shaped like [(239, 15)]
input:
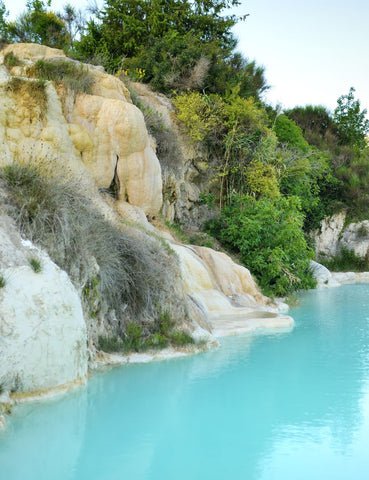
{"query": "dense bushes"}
[(267, 233)]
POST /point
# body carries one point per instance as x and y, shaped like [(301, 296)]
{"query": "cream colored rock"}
[(204, 282), (355, 237), (120, 145), (134, 214), (32, 51), (42, 329), (231, 278), (327, 239), (104, 130)]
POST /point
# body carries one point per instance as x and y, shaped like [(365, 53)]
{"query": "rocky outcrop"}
[(102, 137), (226, 293), (185, 174), (102, 134), (327, 239), (43, 340), (335, 235)]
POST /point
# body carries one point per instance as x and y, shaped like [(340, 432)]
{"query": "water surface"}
[(277, 407)]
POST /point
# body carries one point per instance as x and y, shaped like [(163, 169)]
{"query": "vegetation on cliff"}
[(274, 175), (116, 268)]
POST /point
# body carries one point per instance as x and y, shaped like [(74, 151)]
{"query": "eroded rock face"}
[(334, 236), (226, 292), (327, 239), (43, 340), (102, 134)]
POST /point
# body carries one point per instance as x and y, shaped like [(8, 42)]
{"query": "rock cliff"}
[(47, 334), (335, 234)]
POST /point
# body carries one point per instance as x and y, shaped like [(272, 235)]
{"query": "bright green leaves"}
[(267, 233)]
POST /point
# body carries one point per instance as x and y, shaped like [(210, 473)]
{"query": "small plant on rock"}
[(2, 281), (35, 264)]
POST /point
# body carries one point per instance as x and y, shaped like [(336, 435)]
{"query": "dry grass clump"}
[(74, 77), (119, 273), (31, 93)]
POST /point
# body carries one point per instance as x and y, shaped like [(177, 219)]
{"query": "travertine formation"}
[(101, 137), (335, 235), (43, 340)]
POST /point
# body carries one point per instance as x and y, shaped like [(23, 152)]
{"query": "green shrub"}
[(74, 77), (35, 264), (346, 261), (268, 236), (110, 344), (2, 281), (288, 132), (133, 337), (180, 338)]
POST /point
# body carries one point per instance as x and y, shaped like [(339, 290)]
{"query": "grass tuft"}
[(31, 93), (11, 60), (35, 264), (74, 77)]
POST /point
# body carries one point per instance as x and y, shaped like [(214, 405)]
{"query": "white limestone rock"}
[(322, 275), (43, 340), (327, 239)]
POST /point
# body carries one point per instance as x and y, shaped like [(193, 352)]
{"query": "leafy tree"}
[(288, 132), (179, 43), (3, 23), (352, 124), (268, 235), (317, 125), (39, 26)]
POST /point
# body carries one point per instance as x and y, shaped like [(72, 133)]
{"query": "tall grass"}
[(122, 274)]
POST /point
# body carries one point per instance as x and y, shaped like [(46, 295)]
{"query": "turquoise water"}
[(277, 407)]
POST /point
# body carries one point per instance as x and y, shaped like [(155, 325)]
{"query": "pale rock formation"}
[(334, 236), (355, 237), (327, 239), (103, 134), (322, 275), (213, 280), (43, 340)]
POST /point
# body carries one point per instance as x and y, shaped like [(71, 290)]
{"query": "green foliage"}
[(10, 60), (317, 125), (73, 76), (2, 281), (352, 124), (163, 324), (4, 28), (288, 132), (37, 25), (195, 113), (110, 344), (262, 179), (346, 261), (267, 233), (180, 338), (35, 264), (133, 340)]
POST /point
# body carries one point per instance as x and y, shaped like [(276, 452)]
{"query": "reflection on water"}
[(287, 406)]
